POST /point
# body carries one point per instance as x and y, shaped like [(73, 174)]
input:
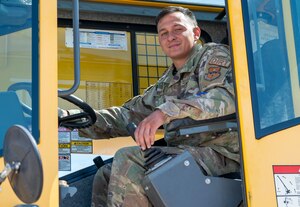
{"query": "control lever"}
[(98, 161), (152, 155)]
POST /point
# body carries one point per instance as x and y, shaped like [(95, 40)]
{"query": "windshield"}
[(18, 58), (273, 62)]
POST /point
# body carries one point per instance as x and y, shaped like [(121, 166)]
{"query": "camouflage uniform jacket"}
[(201, 89)]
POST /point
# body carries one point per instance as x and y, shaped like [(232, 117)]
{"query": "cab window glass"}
[(295, 6), (18, 58), (270, 65)]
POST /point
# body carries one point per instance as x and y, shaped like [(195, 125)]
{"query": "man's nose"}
[(171, 36)]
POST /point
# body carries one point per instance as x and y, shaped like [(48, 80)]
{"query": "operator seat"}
[(179, 181)]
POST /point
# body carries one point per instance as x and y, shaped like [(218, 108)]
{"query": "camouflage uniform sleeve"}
[(112, 122), (215, 96)]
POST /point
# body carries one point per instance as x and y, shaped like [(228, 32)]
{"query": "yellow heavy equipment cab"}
[(44, 165)]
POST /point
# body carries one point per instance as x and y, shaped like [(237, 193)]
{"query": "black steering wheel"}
[(75, 121), (80, 120)]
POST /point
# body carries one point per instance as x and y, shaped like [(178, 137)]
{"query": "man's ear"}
[(197, 33)]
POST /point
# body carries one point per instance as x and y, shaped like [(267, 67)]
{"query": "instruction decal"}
[(287, 184), (64, 162), (98, 39), (70, 142)]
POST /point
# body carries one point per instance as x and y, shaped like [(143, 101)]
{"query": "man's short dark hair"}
[(172, 9)]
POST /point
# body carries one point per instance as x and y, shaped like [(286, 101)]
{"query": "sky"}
[(208, 2)]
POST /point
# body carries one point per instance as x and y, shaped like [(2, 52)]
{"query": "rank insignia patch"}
[(213, 73), (220, 61)]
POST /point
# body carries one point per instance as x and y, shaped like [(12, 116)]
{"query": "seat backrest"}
[(11, 113)]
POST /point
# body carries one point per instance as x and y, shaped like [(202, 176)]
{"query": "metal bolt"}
[(207, 181), (186, 163)]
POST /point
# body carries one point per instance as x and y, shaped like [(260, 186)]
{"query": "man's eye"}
[(164, 35), (178, 31)]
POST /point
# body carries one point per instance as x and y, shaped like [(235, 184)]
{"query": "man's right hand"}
[(62, 112), (145, 132)]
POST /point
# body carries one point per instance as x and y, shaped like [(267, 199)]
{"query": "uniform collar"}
[(188, 67), (192, 61)]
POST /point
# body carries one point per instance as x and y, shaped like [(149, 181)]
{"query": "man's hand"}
[(62, 112), (145, 132)]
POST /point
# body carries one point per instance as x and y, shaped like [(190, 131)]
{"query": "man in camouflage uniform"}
[(198, 85)]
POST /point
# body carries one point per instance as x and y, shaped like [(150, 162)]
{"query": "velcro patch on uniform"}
[(212, 73), (220, 61)]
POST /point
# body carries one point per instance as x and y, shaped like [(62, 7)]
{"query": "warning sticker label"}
[(81, 147), (64, 162), (287, 184)]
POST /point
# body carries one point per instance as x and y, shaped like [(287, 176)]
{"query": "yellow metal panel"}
[(48, 102), (106, 74), (280, 148), (102, 65)]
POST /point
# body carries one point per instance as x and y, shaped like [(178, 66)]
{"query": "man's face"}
[(177, 35)]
